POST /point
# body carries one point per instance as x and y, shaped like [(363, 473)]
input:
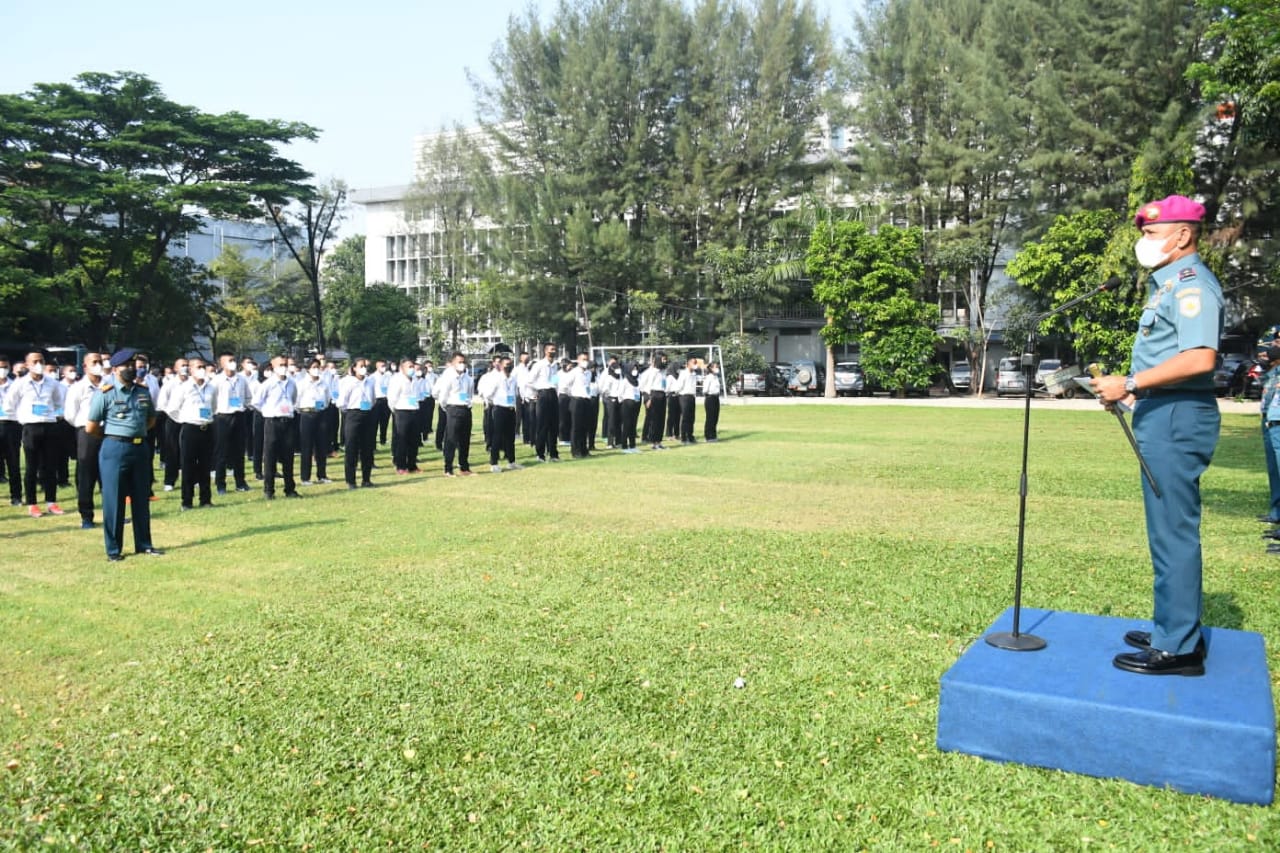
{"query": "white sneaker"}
[(495, 469), (305, 483), (324, 481), (168, 488), (515, 466)]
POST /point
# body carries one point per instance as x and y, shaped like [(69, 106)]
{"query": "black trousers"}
[(486, 426), (457, 439), (10, 456), (331, 424), (581, 425), (711, 416), (277, 448), (40, 447), (196, 449), (654, 416), (382, 413), (228, 448), (442, 418), (256, 439), (673, 415), (405, 436), (593, 421), (503, 438), (548, 424), (687, 410), (426, 411), (170, 454), (66, 452), (313, 441), (613, 421), (87, 475), (529, 421), (565, 403), (629, 415), (358, 435)]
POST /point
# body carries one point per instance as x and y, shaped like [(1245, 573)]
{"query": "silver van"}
[(1009, 377)]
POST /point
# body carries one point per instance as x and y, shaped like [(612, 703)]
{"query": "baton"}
[(1095, 371)]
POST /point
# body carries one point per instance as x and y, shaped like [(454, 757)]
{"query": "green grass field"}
[(545, 659)]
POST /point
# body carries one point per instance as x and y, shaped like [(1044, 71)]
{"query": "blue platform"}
[(1067, 707)]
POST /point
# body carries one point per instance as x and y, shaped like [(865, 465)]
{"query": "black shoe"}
[(185, 508), (270, 497), (1138, 639), (152, 552), (366, 484), (292, 495), (115, 558), (1272, 534), (244, 488), (351, 487), (222, 490), (1156, 662), (1266, 519), (86, 525)]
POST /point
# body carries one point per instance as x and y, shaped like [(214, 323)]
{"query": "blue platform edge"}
[(1067, 707)]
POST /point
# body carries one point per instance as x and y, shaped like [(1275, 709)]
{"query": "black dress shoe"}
[(152, 552), (115, 558), (1156, 662), (1266, 519)]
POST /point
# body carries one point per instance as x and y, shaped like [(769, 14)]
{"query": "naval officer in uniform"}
[(1176, 422), (122, 412)]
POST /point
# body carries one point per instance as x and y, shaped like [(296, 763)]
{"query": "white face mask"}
[(184, 371), (314, 371), (95, 370), (361, 370), (1149, 252), (582, 365), (282, 371), (199, 373), (461, 368)]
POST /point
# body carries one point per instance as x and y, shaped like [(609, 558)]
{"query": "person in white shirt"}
[(251, 418), (712, 390), (315, 402), (423, 379), (402, 399), (232, 423), (687, 390), (454, 393), (76, 413), (524, 411), (195, 436), (36, 400), (490, 376), (276, 399), (10, 438), (501, 393), (66, 432), (355, 397), (653, 388), (564, 396), (170, 435), (613, 388), (628, 390), (381, 408), (581, 384), (543, 378)]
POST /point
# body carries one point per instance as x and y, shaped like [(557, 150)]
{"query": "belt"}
[(126, 439), (201, 427), (1270, 424)]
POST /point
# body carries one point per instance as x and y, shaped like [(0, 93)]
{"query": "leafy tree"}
[(98, 177), (342, 282), (863, 280), (382, 322), (897, 350), (739, 356), (235, 320), (306, 226), (1068, 262)]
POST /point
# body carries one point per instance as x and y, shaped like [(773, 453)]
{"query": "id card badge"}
[(235, 402), (635, 393), (286, 409), (662, 384), (593, 389), (464, 398), (205, 413), (319, 403), (365, 405), (511, 400), (40, 410), (413, 398), (333, 395)]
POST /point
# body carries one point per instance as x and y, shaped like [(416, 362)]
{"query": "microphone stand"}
[(1015, 640)]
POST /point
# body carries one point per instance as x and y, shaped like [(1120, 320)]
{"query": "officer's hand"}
[(1110, 389)]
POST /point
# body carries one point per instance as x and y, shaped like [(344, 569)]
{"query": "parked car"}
[(961, 376), (1009, 377), (1046, 366), (768, 383), (850, 379), (805, 378), (1225, 372)]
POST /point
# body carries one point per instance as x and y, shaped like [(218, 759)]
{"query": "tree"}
[(341, 282), (306, 226), (382, 322), (863, 280), (739, 356), (1068, 262), (98, 177), (234, 320)]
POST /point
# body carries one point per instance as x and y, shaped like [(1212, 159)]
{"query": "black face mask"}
[(128, 375), (1273, 355)]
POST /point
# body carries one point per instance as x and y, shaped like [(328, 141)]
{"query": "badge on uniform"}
[(1189, 306), (1186, 274)]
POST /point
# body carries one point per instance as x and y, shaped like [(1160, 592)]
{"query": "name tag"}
[(593, 389), (286, 409), (40, 410), (383, 387), (319, 403), (662, 384), (333, 395), (413, 398), (205, 413), (511, 400), (635, 392), (464, 398), (365, 405), (235, 402)]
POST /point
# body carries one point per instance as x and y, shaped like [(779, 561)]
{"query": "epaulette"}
[(1186, 273)]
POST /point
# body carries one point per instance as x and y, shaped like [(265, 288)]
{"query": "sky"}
[(369, 76)]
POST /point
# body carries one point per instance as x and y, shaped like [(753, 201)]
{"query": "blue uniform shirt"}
[(1183, 312), (1270, 397), (122, 413)]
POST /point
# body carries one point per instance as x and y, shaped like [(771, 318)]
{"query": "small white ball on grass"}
[(739, 683)]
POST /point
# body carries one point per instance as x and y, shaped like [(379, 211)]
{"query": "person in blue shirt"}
[(1269, 355), (1176, 423), (122, 412)]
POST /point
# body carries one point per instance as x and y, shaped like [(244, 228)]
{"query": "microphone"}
[(1110, 284)]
